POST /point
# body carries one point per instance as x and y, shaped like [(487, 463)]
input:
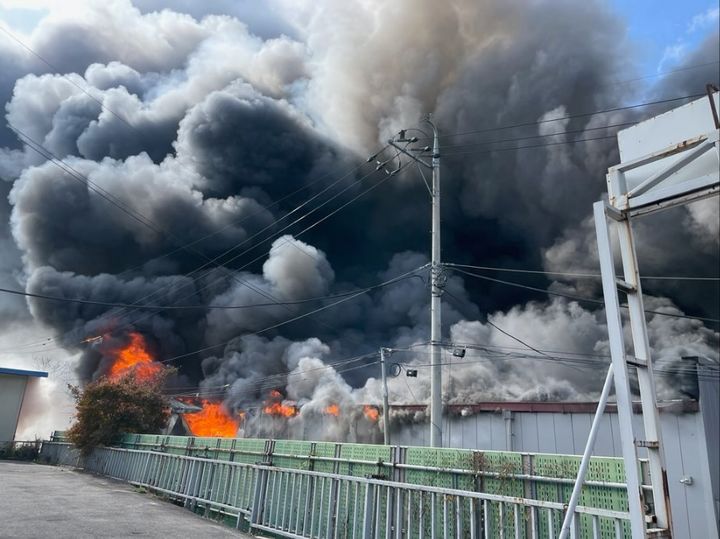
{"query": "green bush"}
[(107, 409)]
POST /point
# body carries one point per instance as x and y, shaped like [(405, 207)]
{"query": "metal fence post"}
[(369, 511), (258, 497), (333, 495)]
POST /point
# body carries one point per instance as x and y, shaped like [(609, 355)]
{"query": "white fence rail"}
[(311, 504)]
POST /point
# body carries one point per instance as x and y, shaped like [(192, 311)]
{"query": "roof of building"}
[(22, 372), (674, 406)]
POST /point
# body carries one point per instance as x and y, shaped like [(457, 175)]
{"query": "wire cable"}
[(579, 298), (576, 274)]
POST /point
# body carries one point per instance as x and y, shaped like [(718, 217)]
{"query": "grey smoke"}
[(208, 122)]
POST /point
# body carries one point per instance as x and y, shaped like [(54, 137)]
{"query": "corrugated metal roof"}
[(22, 372)]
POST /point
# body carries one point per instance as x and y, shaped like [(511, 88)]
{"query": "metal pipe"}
[(585, 462)]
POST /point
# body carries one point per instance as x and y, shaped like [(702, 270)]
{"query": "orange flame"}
[(333, 409), (136, 359), (279, 409), (213, 420), (274, 406), (371, 412)]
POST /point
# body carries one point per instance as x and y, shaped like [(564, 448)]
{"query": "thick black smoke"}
[(209, 133)]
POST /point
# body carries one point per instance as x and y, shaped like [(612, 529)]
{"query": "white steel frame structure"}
[(668, 176)]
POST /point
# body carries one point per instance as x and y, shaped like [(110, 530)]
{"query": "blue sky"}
[(665, 31)]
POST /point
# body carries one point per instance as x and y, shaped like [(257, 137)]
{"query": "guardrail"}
[(315, 504)]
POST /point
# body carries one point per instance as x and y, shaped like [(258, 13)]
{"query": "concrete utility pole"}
[(435, 302), (386, 405), (436, 411)]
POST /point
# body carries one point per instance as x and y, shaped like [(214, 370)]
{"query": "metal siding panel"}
[(483, 423), (497, 429), (581, 430), (674, 460), (605, 443), (563, 426), (519, 431), (710, 411), (546, 434), (693, 447)]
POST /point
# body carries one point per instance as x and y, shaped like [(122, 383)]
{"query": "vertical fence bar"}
[(486, 519), (433, 518), (421, 524), (473, 518), (551, 524), (369, 511)]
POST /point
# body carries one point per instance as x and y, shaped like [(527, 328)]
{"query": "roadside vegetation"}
[(107, 409)]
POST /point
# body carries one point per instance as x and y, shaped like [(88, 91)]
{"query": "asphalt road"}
[(38, 501)]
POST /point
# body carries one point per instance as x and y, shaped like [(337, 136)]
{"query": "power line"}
[(575, 274), (530, 137), (229, 225), (578, 298), (178, 307), (572, 116), (301, 316), (253, 388), (273, 378), (489, 322), (68, 78), (78, 176), (354, 294), (531, 146)]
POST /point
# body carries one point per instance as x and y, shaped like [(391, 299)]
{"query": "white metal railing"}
[(312, 504)]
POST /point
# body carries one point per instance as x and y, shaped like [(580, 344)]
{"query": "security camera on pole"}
[(402, 144)]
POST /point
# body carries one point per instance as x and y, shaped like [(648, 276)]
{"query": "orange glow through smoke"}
[(274, 406), (333, 409), (280, 410), (134, 358), (213, 420), (371, 412)]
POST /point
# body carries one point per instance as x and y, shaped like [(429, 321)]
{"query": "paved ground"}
[(46, 501)]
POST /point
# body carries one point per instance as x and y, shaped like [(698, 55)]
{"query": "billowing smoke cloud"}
[(195, 134)]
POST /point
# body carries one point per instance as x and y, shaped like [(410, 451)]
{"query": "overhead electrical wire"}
[(573, 116), (350, 296), (279, 377), (514, 148), (530, 137), (301, 316), (580, 274), (75, 173), (252, 389), (234, 223), (552, 134), (140, 306), (578, 298)]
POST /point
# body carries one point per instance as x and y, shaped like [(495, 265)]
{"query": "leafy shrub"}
[(107, 409)]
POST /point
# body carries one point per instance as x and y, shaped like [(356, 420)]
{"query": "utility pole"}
[(436, 412), (435, 302), (386, 405)]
